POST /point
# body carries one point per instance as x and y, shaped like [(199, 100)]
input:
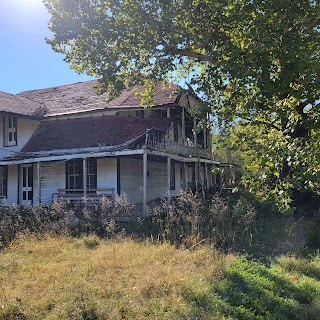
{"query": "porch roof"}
[(90, 132)]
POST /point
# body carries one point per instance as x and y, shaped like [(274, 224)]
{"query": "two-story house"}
[(67, 143)]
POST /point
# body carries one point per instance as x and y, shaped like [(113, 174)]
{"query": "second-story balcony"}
[(170, 146)]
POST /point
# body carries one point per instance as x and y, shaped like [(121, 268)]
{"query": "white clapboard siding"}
[(12, 185), (25, 129), (53, 177), (107, 173), (157, 182)]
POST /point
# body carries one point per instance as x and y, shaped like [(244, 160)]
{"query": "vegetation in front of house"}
[(89, 278), (190, 260)]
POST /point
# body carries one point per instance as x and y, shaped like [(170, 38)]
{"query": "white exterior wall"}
[(25, 129), (53, 177), (157, 182), (107, 173), (12, 185)]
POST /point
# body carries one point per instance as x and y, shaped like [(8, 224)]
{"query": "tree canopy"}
[(255, 62)]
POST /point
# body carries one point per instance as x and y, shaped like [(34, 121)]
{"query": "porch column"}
[(169, 179), (84, 163), (145, 171), (118, 176), (196, 174), (39, 181), (206, 175)]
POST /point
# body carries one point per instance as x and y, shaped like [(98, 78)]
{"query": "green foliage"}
[(256, 63), (12, 312)]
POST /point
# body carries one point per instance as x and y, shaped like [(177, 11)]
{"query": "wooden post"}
[(145, 171), (206, 175), (183, 127), (168, 113), (84, 163), (118, 176), (169, 179), (196, 174), (195, 133), (39, 181)]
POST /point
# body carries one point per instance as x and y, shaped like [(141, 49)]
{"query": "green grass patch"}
[(93, 279)]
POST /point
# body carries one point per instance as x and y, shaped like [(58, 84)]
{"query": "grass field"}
[(89, 278)]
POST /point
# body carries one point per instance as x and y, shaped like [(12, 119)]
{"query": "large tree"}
[(256, 62)]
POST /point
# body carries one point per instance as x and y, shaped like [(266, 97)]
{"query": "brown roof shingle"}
[(81, 96), (19, 105), (91, 132)]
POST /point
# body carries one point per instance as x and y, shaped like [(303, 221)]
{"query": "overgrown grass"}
[(89, 278)]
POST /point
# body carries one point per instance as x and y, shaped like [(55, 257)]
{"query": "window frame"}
[(10, 127), (76, 165), (3, 182)]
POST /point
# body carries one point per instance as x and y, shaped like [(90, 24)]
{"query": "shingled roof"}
[(91, 132), (14, 104), (81, 96)]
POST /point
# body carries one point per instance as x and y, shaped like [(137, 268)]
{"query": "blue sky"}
[(26, 61)]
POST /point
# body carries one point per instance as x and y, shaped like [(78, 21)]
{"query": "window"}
[(10, 131), (3, 181), (74, 171), (91, 174), (172, 177)]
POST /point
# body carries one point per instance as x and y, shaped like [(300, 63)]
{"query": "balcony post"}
[(183, 127), (195, 142)]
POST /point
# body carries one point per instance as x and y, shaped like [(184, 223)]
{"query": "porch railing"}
[(77, 196), (174, 147)]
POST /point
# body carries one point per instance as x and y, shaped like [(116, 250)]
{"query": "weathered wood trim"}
[(118, 176), (169, 179), (145, 173)]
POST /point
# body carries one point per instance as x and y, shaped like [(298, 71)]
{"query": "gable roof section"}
[(81, 97), (91, 132), (19, 105)]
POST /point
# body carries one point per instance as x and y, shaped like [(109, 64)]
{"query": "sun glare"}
[(25, 4)]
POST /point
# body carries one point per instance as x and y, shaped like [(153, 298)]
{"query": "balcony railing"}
[(174, 147)]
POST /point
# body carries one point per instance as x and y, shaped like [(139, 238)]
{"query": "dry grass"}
[(89, 278)]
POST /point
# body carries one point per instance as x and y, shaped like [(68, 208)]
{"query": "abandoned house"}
[(66, 143)]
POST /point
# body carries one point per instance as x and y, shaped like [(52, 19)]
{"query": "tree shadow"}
[(250, 290)]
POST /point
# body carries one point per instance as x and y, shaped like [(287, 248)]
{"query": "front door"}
[(26, 184)]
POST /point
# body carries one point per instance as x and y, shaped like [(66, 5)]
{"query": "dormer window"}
[(10, 131)]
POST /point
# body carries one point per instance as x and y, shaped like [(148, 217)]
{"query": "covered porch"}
[(143, 175)]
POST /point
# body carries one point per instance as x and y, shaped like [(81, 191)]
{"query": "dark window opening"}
[(172, 177), (74, 171), (3, 181)]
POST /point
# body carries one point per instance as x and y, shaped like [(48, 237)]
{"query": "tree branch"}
[(272, 125), (192, 54)]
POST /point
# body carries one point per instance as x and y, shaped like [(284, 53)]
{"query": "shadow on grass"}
[(250, 290)]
